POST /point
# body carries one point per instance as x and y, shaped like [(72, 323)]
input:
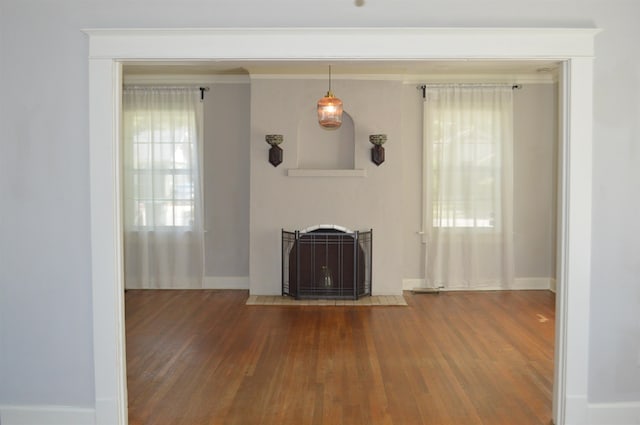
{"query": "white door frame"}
[(109, 48)]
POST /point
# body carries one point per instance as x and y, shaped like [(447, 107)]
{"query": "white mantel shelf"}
[(312, 172)]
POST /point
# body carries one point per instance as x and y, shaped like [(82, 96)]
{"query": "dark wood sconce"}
[(275, 153), (377, 152)]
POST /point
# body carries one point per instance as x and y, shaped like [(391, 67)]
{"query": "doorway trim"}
[(110, 48)]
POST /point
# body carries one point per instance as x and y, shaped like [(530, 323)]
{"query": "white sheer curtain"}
[(163, 240), (468, 184)]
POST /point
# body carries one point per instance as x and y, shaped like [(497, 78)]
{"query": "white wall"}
[(45, 286), (614, 355), (226, 182), (535, 158), (413, 249)]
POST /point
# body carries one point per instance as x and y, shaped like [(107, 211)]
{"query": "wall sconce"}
[(377, 152), (275, 153)]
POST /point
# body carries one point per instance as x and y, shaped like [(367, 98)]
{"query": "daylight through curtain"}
[(468, 184), (163, 240)]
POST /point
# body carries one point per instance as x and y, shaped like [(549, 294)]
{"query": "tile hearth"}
[(374, 300)]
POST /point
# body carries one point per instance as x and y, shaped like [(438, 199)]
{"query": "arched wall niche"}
[(323, 148)]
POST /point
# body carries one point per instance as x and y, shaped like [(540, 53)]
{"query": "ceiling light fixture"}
[(330, 109)]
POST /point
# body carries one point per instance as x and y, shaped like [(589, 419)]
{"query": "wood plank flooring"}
[(461, 358)]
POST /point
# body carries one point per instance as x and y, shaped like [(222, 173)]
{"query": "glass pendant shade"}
[(330, 111)]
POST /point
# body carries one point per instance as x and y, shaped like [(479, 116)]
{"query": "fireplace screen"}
[(326, 263)]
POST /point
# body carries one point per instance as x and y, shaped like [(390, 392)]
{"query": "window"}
[(161, 158), (469, 153), (468, 157)]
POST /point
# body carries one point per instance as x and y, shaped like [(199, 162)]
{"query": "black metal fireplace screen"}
[(326, 263)]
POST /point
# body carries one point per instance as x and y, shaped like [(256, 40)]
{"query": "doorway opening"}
[(542, 166), (109, 48)]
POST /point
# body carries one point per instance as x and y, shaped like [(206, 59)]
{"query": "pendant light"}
[(330, 109)]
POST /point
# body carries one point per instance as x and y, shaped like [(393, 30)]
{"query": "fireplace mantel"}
[(312, 172)]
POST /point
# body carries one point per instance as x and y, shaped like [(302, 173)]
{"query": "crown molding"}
[(185, 79)]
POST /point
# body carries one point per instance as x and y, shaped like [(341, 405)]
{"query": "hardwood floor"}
[(462, 358)]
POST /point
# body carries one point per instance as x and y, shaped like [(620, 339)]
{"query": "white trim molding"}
[(409, 284), (520, 284), (614, 413), (161, 79), (226, 282), (46, 415), (552, 285), (533, 283), (347, 44), (307, 172), (110, 48), (406, 78)]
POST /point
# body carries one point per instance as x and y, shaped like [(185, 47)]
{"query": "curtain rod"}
[(155, 87), (423, 87)]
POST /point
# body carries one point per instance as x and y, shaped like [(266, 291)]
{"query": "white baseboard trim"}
[(226, 282), (532, 283), (613, 413), (409, 284), (575, 410), (520, 283), (107, 411), (46, 415)]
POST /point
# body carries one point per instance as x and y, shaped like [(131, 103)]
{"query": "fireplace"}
[(326, 262)]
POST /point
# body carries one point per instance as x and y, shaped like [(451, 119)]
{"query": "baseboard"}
[(520, 283), (46, 415), (533, 283), (181, 285), (107, 411), (226, 282), (409, 284), (613, 413), (575, 410)]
